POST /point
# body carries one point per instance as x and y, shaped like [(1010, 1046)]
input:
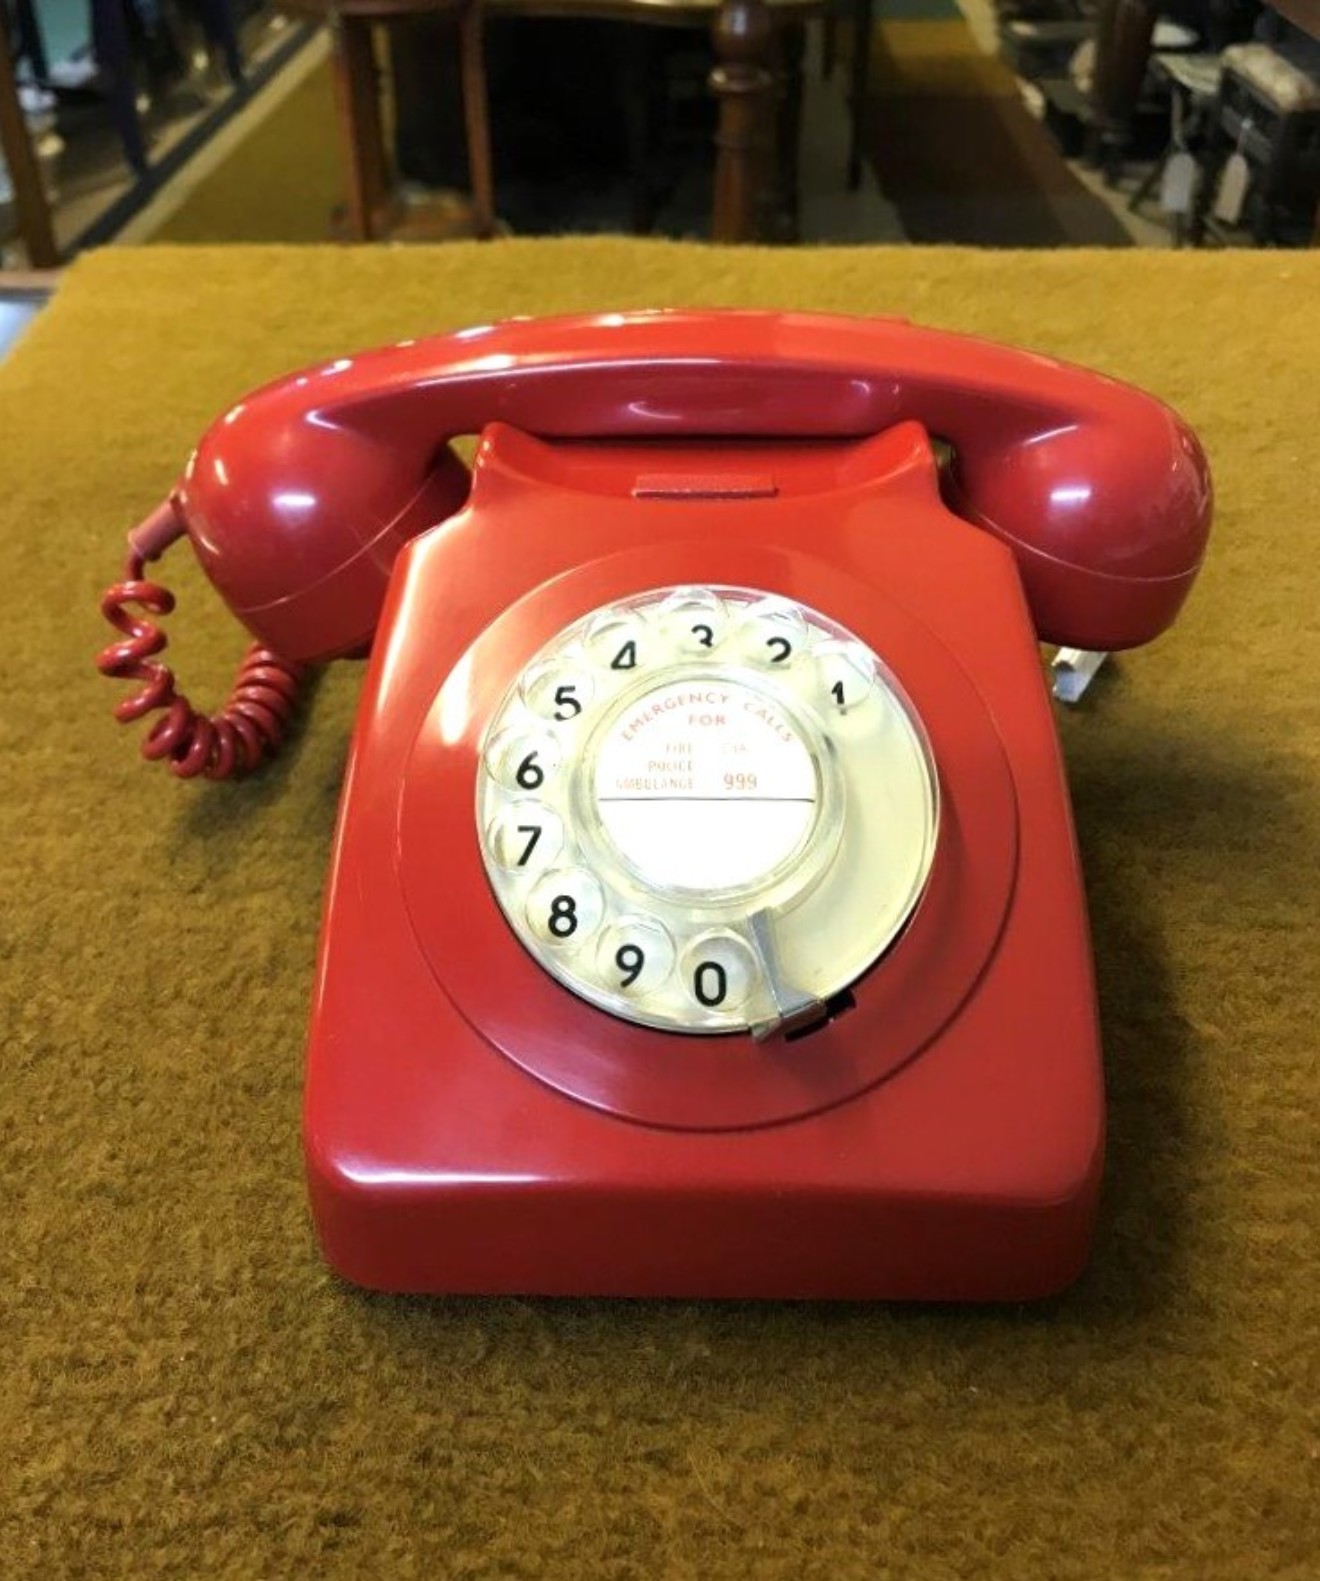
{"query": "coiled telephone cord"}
[(255, 718)]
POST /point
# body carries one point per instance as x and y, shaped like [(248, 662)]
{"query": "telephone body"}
[(705, 915)]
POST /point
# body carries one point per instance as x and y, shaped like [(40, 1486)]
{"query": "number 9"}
[(630, 959)]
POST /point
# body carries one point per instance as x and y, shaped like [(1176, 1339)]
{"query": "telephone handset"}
[(704, 915)]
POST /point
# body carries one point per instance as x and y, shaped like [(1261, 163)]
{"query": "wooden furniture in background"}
[(1304, 14), (1125, 30), (1267, 112), (757, 84), (862, 18), (30, 204), (1124, 35), (756, 81), (374, 211)]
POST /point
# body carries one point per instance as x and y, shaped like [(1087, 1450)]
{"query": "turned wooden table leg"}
[(743, 82), (360, 124), (1124, 32)]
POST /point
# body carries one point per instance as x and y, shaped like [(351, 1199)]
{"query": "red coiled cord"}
[(256, 714)]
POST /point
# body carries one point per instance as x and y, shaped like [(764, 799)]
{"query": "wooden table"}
[(747, 39)]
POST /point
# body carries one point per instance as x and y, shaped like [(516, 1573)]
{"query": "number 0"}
[(701, 983)]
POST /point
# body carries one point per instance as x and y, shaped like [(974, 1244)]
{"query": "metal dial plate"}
[(706, 808)]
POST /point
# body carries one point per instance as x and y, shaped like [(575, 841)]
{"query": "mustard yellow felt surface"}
[(187, 1392)]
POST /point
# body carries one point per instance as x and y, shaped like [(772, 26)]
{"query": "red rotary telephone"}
[(704, 915)]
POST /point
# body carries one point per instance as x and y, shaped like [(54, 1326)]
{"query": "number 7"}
[(534, 829)]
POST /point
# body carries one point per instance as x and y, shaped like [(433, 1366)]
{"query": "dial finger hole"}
[(560, 692), (635, 956), (524, 760), (694, 620), (772, 634), (619, 641), (565, 906), (846, 677), (719, 971), (526, 837)]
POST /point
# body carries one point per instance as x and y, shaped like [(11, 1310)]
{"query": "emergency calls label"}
[(705, 784)]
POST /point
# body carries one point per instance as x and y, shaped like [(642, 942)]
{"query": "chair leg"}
[(863, 26), (29, 41), (792, 47), (218, 25), (16, 143), (1214, 154), (359, 123), (829, 45), (643, 87), (115, 57), (476, 117)]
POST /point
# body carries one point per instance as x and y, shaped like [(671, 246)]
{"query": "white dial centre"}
[(705, 784)]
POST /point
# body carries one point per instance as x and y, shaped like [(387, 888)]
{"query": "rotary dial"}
[(707, 809)]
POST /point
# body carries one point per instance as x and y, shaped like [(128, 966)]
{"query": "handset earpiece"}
[(297, 522), (1106, 506)]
